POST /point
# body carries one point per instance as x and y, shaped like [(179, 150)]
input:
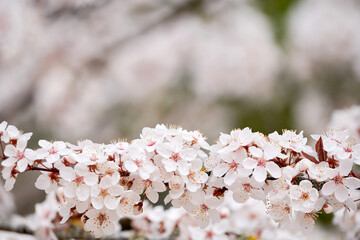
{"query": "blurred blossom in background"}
[(104, 69)]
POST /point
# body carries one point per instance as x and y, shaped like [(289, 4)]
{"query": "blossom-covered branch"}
[(106, 182)]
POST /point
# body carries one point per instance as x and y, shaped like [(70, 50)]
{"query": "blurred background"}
[(104, 69)]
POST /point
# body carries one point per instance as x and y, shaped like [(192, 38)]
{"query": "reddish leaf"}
[(311, 158), (320, 150), (355, 173)]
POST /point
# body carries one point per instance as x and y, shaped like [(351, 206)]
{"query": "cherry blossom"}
[(259, 161), (319, 171), (100, 222), (176, 156), (18, 156), (291, 140), (127, 202), (245, 188), (205, 212), (103, 183), (236, 139), (232, 166), (78, 181), (196, 176), (339, 183), (52, 151), (304, 196), (47, 181), (105, 194)]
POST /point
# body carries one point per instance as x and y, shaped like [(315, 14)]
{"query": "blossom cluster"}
[(103, 183), (348, 118), (174, 223)]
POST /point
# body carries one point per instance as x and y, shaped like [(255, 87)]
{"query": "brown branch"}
[(72, 11), (21, 230), (2, 150), (54, 170), (176, 12)]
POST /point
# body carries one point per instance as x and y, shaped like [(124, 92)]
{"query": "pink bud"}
[(328, 208)]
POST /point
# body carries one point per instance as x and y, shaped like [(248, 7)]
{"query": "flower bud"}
[(328, 208), (138, 208)]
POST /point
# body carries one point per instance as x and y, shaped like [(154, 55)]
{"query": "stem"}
[(54, 170), (22, 230), (2, 150)]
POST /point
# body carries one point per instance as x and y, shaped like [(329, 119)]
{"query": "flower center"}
[(338, 179), (209, 234), (93, 157), (79, 180), (102, 217), (286, 209), (247, 187), (305, 196), (20, 155), (138, 163), (175, 157), (103, 192), (52, 151), (347, 149), (204, 208), (262, 162), (234, 165)]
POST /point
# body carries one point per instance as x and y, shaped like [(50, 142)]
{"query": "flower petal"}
[(250, 163), (260, 174), (42, 182), (341, 193), (273, 169), (221, 169), (328, 188)]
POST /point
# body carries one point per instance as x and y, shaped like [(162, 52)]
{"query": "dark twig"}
[(22, 230), (54, 170)]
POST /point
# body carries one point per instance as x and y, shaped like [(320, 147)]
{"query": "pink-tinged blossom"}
[(78, 181), (237, 138), (152, 137), (320, 171), (110, 169), (18, 156), (291, 140), (306, 220), (280, 209), (261, 163), (196, 176), (151, 187), (231, 165), (12, 134), (339, 183), (106, 194), (245, 188), (136, 160), (303, 196), (3, 126), (91, 154), (205, 212), (100, 222), (176, 156), (52, 151), (47, 182), (127, 202)]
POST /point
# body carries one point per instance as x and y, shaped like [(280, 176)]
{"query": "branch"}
[(73, 11), (54, 170), (177, 11), (2, 150), (21, 230)]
